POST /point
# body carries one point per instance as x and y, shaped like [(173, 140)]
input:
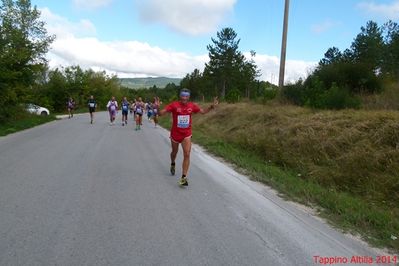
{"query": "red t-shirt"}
[(182, 114)]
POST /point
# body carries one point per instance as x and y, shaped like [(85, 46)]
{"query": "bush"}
[(294, 93), (316, 95), (269, 94), (233, 96), (339, 98), (357, 77)]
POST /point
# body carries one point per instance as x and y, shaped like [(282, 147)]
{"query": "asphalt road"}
[(72, 193)]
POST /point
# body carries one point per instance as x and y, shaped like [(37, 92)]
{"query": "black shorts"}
[(92, 109), (125, 113), (139, 114)]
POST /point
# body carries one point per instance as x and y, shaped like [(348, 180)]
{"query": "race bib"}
[(139, 111), (92, 105), (125, 108), (183, 121), (112, 108)]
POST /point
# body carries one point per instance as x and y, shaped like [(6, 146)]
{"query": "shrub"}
[(269, 94), (294, 93), (357, 77), (233, 96), (339, 98)]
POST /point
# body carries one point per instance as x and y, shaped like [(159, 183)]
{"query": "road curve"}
[(72, 193)]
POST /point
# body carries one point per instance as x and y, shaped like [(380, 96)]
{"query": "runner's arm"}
[(163, 112), (213, 105)]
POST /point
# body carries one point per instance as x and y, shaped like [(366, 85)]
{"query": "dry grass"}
[(351, 151), (387, 100)]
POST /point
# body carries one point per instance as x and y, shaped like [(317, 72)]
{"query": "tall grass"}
[(23, 121), (386, 100), (346, 162)]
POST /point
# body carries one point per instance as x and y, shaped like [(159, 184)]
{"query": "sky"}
[(169, 38)]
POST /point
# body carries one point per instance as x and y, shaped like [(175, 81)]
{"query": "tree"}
[(23, 44), (333, 55), (196, 83), (249, 73), (368, 46), (225, 59), (391, 52)]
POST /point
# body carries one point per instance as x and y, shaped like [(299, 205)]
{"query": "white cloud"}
[(386, 11), (127, 57), (137, 59), (62, 27), (91, 4), (270, 67), (192, 17), (324, 26)]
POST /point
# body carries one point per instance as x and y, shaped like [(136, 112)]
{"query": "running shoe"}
[(183, 181)]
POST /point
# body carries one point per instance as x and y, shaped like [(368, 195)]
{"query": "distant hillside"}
[(138, 83)]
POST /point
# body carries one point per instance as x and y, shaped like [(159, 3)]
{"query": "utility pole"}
[(284, 45)]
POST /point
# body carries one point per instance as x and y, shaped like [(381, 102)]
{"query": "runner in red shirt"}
[(182, 111)]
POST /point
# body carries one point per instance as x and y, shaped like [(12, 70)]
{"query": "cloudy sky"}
[(136, 38)]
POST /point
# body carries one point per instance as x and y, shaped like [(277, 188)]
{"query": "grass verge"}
[(226, 134), (25, 122)]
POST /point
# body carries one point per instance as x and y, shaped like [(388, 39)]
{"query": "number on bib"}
[(183, 121)]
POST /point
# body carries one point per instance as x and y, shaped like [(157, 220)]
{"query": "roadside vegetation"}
[(22, 122), (343, 163)]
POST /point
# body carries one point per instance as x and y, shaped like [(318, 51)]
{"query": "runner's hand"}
[(215, 101)]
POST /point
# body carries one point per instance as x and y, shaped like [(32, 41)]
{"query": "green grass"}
[(76, 111), (375, 222), (26, 122)]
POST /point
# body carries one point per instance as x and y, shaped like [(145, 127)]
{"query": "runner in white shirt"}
[(112, 109)]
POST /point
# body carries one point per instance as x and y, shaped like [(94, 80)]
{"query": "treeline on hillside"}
[(59, 84), (369, 66)]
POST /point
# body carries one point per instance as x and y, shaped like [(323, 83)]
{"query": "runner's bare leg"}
[(186, 144), (175, 149)]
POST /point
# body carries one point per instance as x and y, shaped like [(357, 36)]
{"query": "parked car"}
[(37, 110)]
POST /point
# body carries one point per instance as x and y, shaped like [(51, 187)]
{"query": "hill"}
[(139, 83)]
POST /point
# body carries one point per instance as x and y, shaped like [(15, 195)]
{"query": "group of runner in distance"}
[(180, 133)]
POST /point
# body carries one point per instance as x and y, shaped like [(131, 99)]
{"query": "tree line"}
[(366, 67)]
